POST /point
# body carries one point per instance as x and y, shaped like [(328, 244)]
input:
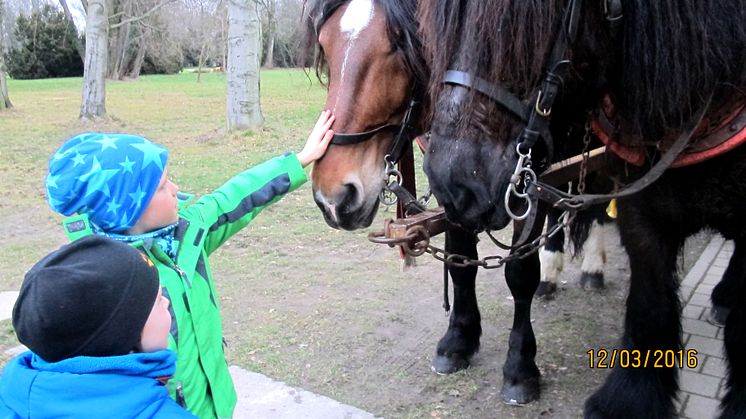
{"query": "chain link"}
[(586, 155)]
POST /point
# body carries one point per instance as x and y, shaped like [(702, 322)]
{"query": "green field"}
[(186, 116), (176, 111)]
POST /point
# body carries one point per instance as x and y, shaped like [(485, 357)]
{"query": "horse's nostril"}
[(349, 195)]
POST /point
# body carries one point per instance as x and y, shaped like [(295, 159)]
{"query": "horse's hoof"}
[(592, 281), (443, 364), (718, 315), (521, 393), (546, 289)]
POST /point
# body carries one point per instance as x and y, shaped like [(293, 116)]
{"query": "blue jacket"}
[(89, 387)]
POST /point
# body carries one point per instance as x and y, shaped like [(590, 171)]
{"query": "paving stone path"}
[(703, 387)]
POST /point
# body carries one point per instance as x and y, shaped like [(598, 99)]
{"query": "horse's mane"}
[(401, 26), (673, 52)]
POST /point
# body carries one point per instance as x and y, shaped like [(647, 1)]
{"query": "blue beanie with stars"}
[(109, 177)]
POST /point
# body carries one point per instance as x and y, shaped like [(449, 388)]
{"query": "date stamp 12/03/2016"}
[(634, 358)]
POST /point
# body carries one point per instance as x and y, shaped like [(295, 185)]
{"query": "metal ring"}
[(518, 150), (510, 212), (420, 246), (394, 172), (387, 197), (543, 112)]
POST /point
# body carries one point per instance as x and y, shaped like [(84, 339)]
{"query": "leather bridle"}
[(403, 130)]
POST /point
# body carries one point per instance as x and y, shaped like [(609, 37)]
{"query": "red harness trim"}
[(687, 159), (637, 155)]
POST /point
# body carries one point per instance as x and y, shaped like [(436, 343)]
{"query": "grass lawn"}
[(176, 111)]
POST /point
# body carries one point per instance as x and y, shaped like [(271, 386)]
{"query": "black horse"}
[(515, 82)]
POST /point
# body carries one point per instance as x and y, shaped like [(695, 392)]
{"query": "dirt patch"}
[(334, 314), (343, 320)]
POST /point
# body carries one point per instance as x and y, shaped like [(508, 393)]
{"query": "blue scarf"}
[(163, 238)]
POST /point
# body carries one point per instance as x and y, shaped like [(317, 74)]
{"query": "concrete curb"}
[(261, 397)]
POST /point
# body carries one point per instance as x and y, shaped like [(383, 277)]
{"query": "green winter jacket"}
[(202, 382)]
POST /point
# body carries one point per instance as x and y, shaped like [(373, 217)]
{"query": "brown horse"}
[(369, 54), (370, 84)]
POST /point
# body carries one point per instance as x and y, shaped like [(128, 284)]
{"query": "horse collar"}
[(720, 131)]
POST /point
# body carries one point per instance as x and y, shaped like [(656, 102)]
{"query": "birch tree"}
[(4, 98), (94, 71), (242, 70)]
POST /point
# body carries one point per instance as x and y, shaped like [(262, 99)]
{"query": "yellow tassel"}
[(611, 209)]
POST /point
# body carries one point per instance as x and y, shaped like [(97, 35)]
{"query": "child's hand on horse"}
[(318, 140)]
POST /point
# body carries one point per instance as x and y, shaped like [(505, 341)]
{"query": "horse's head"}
[(554, 61), (488, 62), (366, 52)]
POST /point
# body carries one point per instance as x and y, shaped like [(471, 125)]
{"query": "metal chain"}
[(419, 236), (586, 154)]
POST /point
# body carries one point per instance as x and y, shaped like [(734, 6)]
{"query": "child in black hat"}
[(96, 323)]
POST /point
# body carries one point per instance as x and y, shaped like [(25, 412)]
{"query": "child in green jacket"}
[(118, 186)]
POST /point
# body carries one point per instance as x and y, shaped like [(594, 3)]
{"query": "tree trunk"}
[(140, 57), (269, 57), (4, 98), (201, 61), (244, 45), (94, 71), (69, 16), (120, 43)]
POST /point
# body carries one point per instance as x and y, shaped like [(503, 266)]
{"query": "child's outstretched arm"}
[(318, 140)]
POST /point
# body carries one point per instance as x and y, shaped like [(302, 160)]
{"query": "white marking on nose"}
[(358, 15), (331, 208)]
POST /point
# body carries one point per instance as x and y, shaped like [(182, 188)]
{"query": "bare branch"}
[(78, 45), (141, 17)]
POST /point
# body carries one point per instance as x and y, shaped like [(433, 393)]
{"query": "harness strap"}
[(497, 93), (566, 201), (347, 139)]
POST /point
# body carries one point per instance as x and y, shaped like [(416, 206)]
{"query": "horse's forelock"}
[(402, 29), (316, 13), (491, 39)]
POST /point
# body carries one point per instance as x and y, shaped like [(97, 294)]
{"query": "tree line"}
[(122, 39)]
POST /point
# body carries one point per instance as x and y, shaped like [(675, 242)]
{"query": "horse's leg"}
[(552, 256), (734, 402), (461, 340), (594, 252), (520, 373), (724, 295), (652, 320)]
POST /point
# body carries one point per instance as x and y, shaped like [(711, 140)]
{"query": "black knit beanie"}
[(90, 297)]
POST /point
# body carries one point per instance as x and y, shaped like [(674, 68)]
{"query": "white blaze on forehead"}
[(356, 18)]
